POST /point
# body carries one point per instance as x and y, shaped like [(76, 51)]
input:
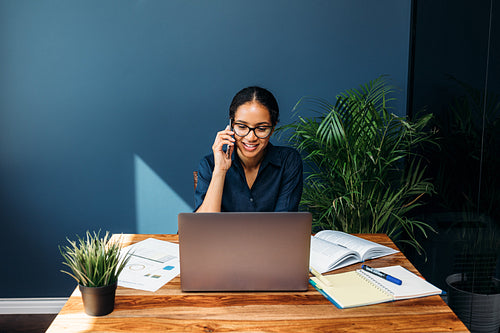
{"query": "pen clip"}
[(382, 274)]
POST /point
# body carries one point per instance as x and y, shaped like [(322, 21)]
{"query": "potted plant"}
[(95, 263), (363, 172), (473, 289), (465, 169)]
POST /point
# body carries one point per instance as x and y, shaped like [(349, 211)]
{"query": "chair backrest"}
[(195, 183), (195, 179)]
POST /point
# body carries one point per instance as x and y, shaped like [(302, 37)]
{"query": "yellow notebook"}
[(358, 288)]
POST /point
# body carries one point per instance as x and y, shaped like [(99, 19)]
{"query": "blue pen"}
[(382, 275)]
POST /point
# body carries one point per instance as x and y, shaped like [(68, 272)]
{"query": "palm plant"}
[(94, 261), (363, 174)]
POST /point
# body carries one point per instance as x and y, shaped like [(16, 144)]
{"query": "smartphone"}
[(227, 146)]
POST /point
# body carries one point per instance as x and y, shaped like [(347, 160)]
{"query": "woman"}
[(253, 175)]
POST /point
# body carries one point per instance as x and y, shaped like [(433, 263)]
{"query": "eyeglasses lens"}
[(261, 132)]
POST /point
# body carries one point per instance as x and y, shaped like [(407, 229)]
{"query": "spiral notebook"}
[(358, 288)]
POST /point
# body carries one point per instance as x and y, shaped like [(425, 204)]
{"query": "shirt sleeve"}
[(205, 169), (291, 187)]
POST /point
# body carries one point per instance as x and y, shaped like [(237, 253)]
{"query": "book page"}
[(325, 256), (350, 290), (365, 248), (413, 286)]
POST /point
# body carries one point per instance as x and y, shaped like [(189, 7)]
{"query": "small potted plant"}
[(95, 263)]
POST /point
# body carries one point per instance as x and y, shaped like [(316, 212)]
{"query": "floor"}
[(25, 323)]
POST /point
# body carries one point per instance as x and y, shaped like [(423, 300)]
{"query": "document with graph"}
[(152, 264)]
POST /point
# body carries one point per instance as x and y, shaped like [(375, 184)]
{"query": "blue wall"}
[(106, 107)]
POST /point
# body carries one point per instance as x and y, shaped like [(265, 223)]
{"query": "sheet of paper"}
[(152, 264), (412, 286)]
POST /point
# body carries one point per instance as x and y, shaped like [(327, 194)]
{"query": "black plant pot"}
[(479, 312), (98, 301)]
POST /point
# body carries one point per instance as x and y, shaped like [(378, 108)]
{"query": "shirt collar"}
[(271, 157)]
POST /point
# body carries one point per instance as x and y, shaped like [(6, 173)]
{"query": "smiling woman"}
[(252, 174)]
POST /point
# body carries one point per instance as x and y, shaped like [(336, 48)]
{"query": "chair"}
[(195, 179), (195, 182)]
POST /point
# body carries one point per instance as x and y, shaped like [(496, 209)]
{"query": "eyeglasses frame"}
[(251, 129)]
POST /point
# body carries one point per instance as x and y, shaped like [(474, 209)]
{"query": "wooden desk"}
[(171, 310)]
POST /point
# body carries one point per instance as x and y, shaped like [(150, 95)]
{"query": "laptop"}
[(244, 251)]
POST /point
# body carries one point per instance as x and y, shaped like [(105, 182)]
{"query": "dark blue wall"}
[(106, 107)]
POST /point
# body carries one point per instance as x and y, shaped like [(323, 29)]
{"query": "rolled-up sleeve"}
[(204, 177)]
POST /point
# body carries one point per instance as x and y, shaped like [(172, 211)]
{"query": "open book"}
[(357, 288), (335, 249)]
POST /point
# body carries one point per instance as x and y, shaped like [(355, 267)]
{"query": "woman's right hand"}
[(221, 159), (213, 197)]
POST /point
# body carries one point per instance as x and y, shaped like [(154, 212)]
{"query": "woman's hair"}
[(257, 94)]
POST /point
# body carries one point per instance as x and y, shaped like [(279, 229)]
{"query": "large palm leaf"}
[(363, 175)]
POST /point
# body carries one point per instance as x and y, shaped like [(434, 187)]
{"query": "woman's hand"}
[(213, 197), (221, 159)]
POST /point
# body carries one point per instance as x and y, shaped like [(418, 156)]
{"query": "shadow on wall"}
[(157, 204)]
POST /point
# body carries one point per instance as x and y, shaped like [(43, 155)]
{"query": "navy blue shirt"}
[(277, 188)]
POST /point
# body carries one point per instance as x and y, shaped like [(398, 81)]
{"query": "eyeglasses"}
[(261, 132)]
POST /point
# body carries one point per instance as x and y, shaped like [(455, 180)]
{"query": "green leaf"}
[(363, 172), (94, 261)]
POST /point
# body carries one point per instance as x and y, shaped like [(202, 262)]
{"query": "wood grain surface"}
[(171, 310)]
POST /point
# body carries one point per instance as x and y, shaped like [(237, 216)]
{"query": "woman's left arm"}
[(291, 186)]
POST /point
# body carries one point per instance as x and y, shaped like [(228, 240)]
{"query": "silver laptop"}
[(244, 251)]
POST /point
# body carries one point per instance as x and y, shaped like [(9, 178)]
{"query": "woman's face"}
[(253, 115)]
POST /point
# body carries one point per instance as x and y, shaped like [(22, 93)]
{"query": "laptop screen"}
[(244, 251)]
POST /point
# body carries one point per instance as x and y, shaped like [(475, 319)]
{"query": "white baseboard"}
[(31, 305)]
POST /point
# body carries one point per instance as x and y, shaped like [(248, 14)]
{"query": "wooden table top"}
[(171, 310)]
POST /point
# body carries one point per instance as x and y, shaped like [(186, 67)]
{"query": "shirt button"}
[(251, 199)]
